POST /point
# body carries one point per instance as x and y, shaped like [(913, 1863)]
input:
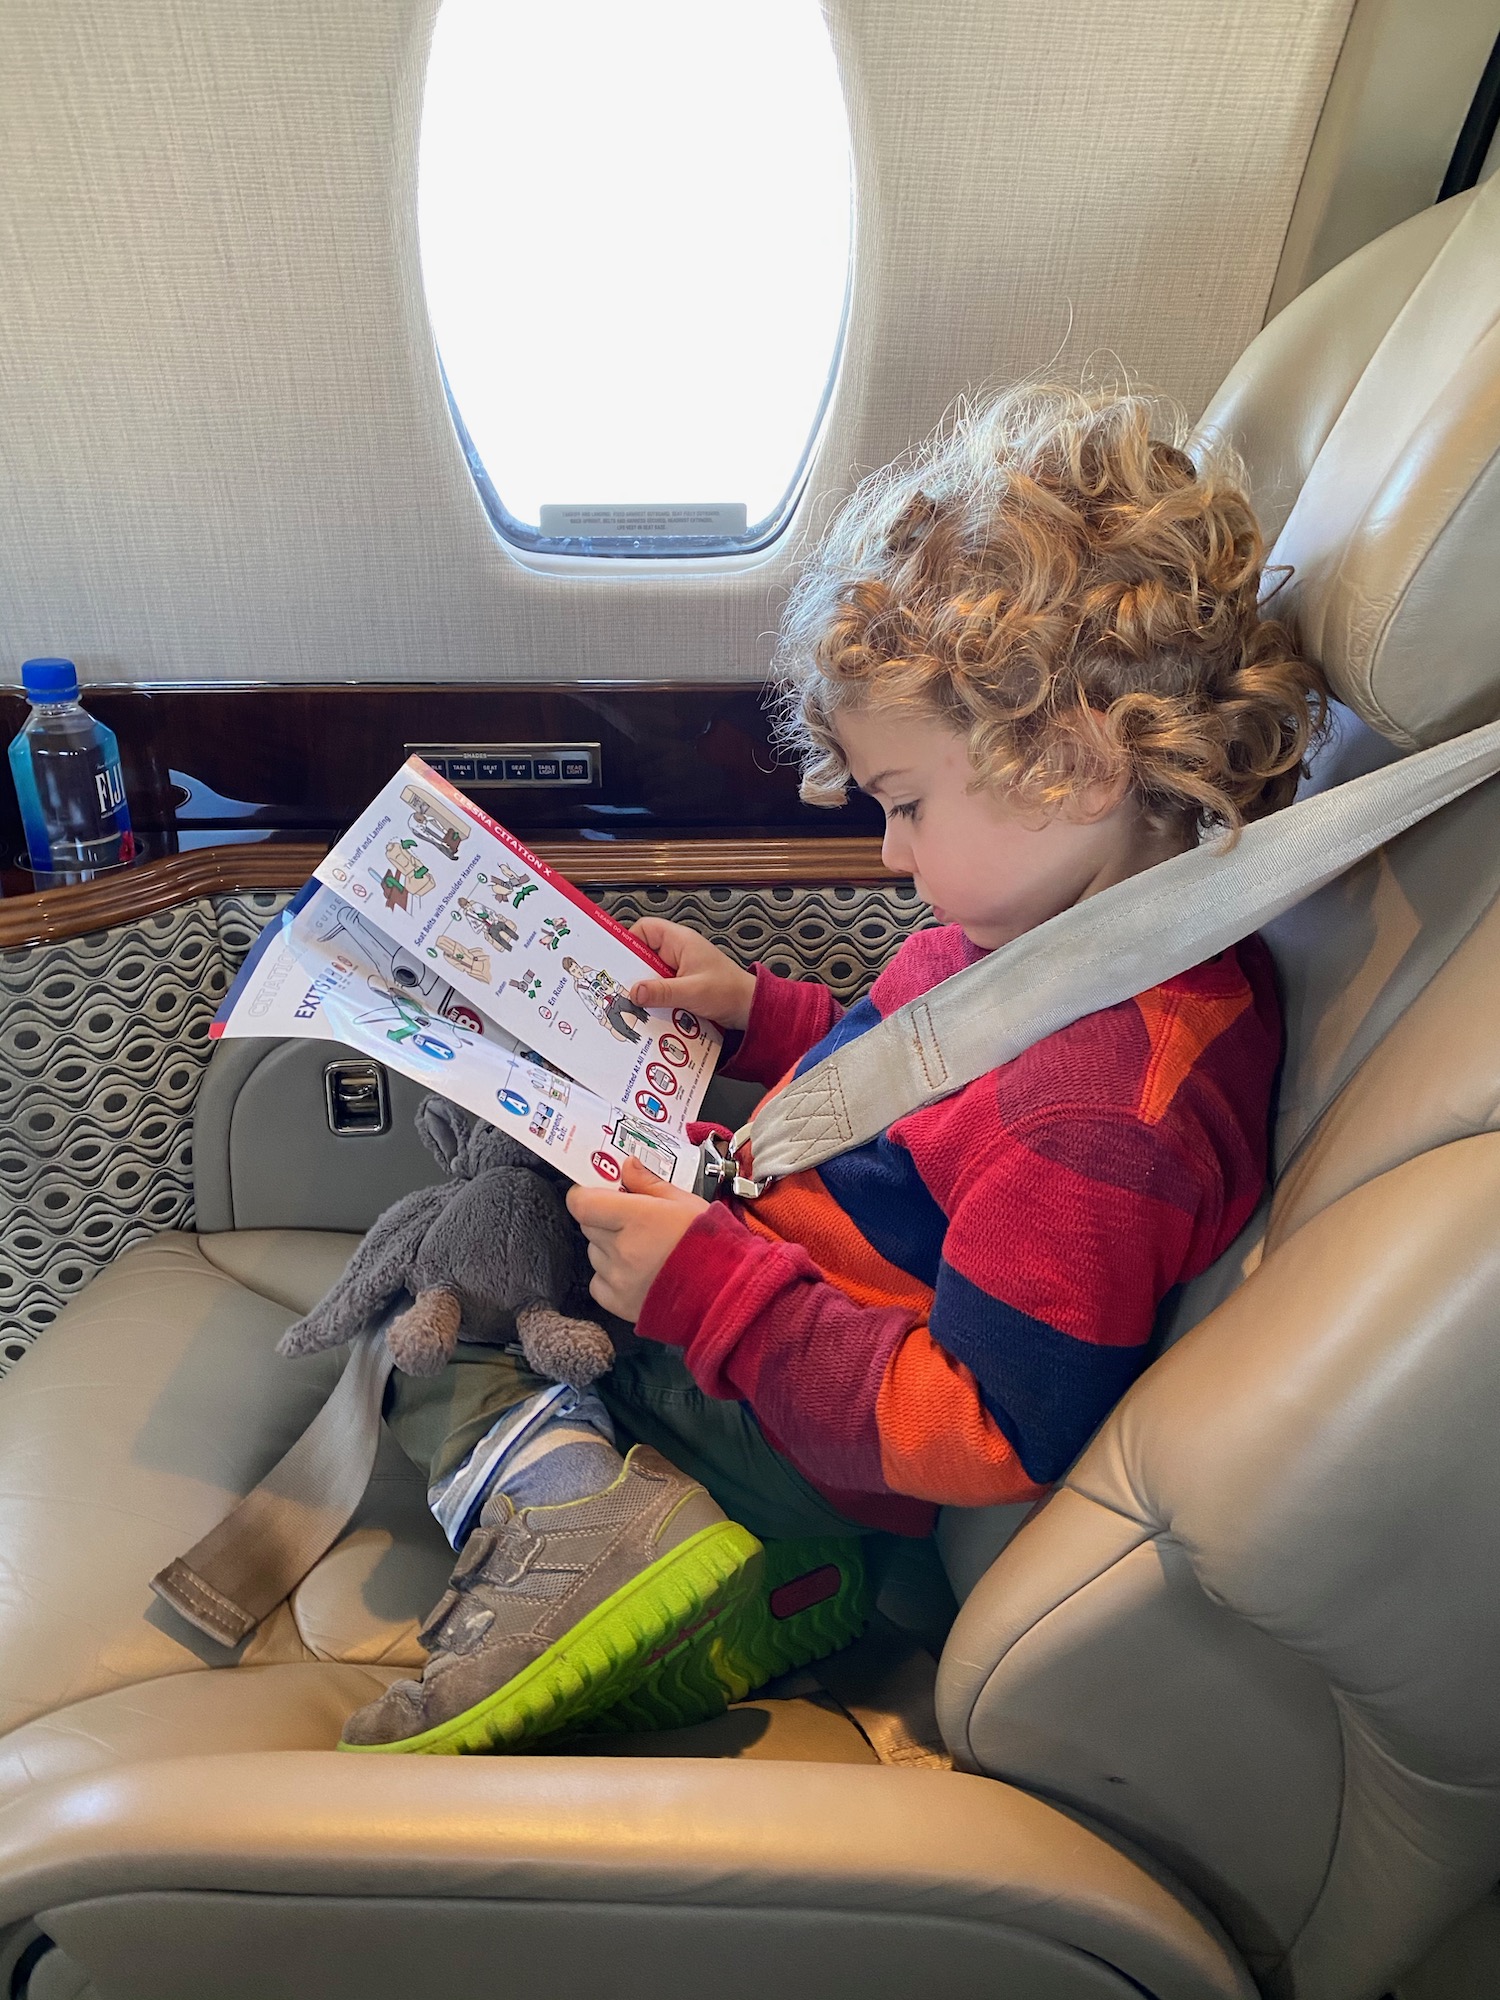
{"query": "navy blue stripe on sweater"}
[(859, 1020), (877, 1185), (880, 1190), (1047, 1391)]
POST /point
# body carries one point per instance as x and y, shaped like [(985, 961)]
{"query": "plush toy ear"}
[(444, 1130), (490, 1148)]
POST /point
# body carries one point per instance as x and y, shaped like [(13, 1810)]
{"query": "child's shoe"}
[(809, 1598), (554, 1614)]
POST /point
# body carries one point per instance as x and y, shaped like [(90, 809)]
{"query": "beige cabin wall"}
[(1403, 85), (223, 445)]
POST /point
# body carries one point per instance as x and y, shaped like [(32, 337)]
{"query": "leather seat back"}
[(1254, 1630), (1373, 404), (266, 1156)]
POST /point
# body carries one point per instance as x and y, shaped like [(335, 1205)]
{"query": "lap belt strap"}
[(1102, 951), (887, 1685), (262, 1549)]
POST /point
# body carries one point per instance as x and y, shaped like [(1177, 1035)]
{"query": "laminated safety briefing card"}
[(444, 948)]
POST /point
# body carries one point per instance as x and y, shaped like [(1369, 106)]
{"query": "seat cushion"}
[(299, 1707), (292, 1267), (151, 1404), (303, 1707)]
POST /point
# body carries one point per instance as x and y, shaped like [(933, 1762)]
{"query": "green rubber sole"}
[(671, 1611), (811, 1598), (816, 1600)]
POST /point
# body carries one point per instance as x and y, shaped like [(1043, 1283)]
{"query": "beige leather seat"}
[(1224, 1707)]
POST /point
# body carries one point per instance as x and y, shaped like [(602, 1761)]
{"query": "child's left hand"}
[(631, 1234)]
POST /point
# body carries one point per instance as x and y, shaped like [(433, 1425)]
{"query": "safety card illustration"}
[(432, 940)]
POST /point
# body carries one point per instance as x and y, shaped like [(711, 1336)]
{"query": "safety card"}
[(441, 879), (433, 941)]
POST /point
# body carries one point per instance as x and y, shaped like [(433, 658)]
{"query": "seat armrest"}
[(579, 1831)]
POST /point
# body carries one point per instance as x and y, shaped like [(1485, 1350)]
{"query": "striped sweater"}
[(946, 1314)]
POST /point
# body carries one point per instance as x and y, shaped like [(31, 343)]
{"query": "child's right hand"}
[(705, 980)]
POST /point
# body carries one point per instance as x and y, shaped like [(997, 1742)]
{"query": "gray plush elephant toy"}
[(491, 1253)]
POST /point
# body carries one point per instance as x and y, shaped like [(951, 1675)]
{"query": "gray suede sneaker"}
[(554, 1614)]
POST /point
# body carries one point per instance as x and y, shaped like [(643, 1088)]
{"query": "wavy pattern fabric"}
[(240, 919), (841, 936), (104, 1039)]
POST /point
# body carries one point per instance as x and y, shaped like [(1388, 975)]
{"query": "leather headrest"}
[(1368, 413)]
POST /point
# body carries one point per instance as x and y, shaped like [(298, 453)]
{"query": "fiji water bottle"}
[(66, 768)]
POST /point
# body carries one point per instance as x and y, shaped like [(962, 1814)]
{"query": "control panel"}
[(493, 764)]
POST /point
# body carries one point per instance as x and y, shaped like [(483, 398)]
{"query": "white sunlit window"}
[(635, 234)]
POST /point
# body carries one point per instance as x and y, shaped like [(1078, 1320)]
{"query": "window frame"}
[(528, 543)]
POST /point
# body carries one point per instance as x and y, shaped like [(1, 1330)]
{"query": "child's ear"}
[(1097, 799)]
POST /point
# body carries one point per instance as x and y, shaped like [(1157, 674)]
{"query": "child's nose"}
[(895, 848)]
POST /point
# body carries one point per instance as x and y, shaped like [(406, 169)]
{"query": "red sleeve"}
[(984, 1390), (787, 1018), (758, 1323), (1052, 1225)]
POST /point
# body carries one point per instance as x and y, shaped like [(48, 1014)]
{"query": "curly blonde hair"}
[(1072, 594)]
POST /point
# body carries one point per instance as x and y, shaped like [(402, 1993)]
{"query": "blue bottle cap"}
[(49, 680)]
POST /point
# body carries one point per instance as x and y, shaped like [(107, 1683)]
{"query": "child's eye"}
[(908, 810)]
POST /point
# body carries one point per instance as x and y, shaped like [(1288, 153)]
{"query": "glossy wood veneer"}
[(127, 894), (303, 761)]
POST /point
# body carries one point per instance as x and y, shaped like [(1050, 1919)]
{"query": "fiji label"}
[(110, 787)]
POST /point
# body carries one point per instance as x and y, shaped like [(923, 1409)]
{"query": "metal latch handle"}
[(719, 1171)]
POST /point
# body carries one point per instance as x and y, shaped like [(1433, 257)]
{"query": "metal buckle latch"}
[(721, 1171)]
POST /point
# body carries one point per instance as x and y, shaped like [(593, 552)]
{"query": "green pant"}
[(652, 1399)]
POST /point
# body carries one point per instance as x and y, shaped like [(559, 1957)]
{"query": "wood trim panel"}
[(302, 762), (739, 863), (127, 894)]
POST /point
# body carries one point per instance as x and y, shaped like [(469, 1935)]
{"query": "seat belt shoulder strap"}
[(1106, 949)]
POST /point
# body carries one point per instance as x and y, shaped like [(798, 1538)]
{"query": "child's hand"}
[(706, 981), (631, 1235)]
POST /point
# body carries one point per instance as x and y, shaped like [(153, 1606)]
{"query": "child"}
[(1039, 647)]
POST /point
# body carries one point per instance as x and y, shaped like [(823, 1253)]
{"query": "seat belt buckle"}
[(719, 1169)]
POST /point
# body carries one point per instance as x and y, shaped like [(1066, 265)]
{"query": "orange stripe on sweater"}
[(801, 1210), (937, 1440), (1180, 1027)]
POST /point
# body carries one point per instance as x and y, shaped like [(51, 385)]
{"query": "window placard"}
[(719, 519)]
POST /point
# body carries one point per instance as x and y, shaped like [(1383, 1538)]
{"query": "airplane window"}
[(635, 229)]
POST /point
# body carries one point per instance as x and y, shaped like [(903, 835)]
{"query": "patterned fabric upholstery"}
[(842, 936), (104, 1039)]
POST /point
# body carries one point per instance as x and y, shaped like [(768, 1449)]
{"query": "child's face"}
[(979, 861)]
